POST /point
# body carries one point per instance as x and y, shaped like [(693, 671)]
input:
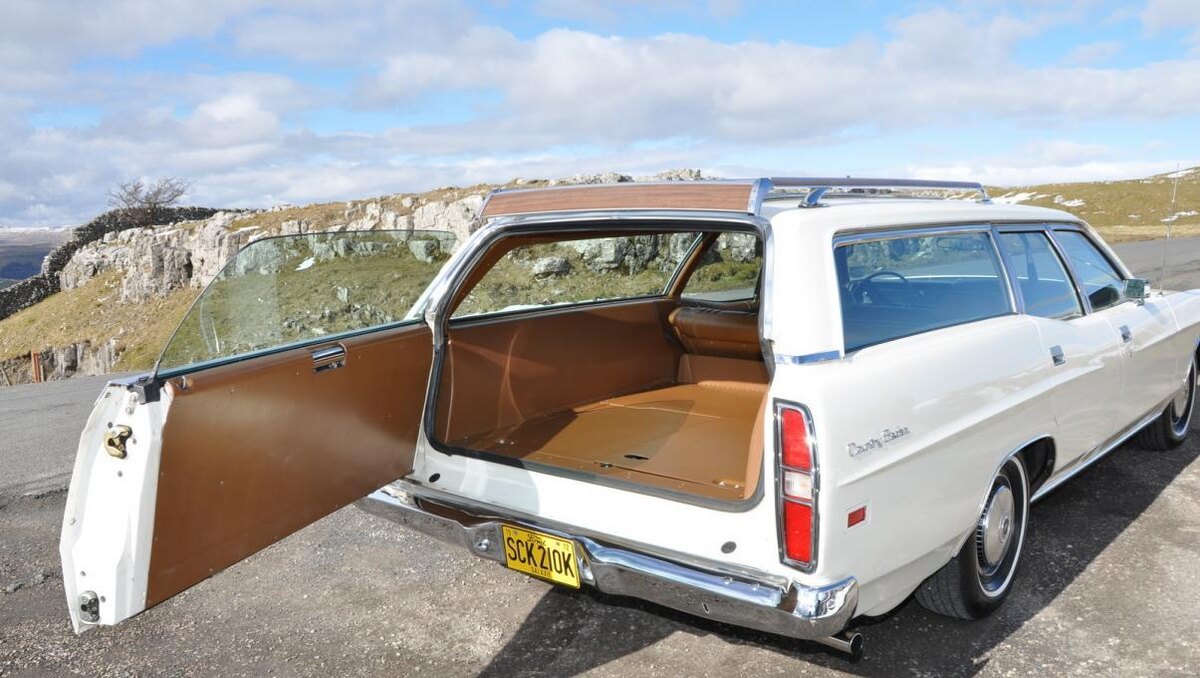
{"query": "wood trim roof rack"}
[(737, 195), (743, 196)]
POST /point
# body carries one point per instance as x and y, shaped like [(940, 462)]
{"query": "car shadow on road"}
[(571, 632)]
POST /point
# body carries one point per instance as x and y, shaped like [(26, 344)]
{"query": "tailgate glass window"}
[(898, 287), (292, 290)]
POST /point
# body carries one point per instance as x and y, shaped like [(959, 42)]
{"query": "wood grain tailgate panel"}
[(680, 196), (256, 450)]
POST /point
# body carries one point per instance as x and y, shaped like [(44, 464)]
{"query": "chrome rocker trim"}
[(795, 610)]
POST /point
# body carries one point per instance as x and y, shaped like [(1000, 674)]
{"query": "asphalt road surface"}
[(1109, 585)]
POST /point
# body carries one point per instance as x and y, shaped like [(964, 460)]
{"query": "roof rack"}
[(744, 196), (819, 186)]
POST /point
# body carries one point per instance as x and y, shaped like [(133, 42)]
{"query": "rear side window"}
[(1045, 286), (566, 270), (728, 271), (898, 287), (1100, 281)]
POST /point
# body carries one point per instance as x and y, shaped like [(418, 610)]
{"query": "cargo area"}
[(691, 438), (662, 396)]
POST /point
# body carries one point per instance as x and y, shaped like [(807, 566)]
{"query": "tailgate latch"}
[(114, 440)]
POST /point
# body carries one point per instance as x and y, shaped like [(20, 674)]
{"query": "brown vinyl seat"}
[(717, 332)]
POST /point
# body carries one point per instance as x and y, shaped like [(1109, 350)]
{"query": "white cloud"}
[(1092, 53), (550, 104), (1161, 16)]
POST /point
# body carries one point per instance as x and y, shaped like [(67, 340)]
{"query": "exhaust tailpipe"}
[(849, 642)]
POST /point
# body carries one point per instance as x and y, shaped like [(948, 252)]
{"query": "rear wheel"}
[(979, 578), (1172, 426)]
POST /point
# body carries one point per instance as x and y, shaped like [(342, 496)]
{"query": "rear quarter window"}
[(897, 287)]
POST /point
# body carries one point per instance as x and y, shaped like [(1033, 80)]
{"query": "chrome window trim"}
[(896, 232), (777, 405), (807, 359), (1015, 300)]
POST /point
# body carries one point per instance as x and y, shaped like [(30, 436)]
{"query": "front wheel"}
[(1171, 428), (978, 579)]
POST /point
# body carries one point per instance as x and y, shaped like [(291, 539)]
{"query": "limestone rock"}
[(424, 250), (549, 267)]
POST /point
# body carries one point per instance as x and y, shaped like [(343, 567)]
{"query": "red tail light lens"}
[(794, 438), (798, 533), (797, 488)]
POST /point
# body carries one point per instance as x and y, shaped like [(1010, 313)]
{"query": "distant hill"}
[(23, 249), (1135, 209)]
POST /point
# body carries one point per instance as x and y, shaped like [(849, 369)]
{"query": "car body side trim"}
[(823, 356)]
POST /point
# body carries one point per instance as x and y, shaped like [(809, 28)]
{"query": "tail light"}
[(797, 491)]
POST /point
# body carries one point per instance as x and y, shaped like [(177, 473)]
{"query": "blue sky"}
[(259, 102)]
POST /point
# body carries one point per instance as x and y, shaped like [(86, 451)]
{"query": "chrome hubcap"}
[(996, 527), (1181, 405), (1181, 398)]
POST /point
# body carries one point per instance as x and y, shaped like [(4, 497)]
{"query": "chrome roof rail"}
[(819, 186)]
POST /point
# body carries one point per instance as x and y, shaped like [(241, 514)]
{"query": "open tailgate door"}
[(277, 402)]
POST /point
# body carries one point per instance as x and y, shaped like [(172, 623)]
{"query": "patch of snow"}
[(1073, 202), (307, 263), (1015, 198), (1179, 215), (1134, 216), (1182, 173)]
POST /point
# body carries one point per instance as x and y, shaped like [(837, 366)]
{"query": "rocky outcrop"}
[(32, 290), (81, 358), (198, 242)]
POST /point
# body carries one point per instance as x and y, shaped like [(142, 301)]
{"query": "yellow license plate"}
[(541, 555)]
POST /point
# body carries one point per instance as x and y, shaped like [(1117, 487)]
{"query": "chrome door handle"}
[(1126, 335), (1056, 354), (329, 358)]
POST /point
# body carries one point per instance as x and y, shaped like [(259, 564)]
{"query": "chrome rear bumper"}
[(765, 602)]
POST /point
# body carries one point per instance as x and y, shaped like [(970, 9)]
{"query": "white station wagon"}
[(784, 404)]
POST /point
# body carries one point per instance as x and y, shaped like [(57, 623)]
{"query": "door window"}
[(1099, 279), (728, 271), (1041, 276), (291, 290), (898, 287)]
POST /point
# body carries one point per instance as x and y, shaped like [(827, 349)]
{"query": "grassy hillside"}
[(91, 312), (1122, 210), (1137, 209)]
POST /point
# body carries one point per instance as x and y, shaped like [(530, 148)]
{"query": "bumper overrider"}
[(709, 590)]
